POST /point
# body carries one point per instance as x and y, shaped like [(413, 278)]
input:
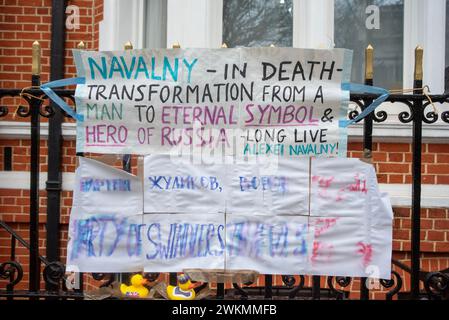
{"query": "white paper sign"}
[(268, 188), (336, 244), (327, 217), (266, 244), (340, 187), (215, 185), (174, 242), (176, 185), (104, 228), (243, 101)]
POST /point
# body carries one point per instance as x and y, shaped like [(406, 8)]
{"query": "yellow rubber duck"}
[(136, 289), (183, 291)]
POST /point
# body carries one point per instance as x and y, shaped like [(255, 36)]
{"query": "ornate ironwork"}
[(11, 270), (394, 284), (290, 282), (151, 276), (3, 111), (54, 273), (108, 277), (241, 291), (445, 116), (46, 111), (417, 107), (342, 282), (437, 285)]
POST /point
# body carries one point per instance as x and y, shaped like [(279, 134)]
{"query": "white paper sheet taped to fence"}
[(104, 228), (210, 185), (269, 186), (335, 235), (245, 101), (176, 185), (340, 187), (175, 242), (268, 243)]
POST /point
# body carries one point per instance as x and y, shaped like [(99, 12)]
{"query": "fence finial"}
[(36, 64), (128, 46), (176, 45), (419, 53), (224, 45), (369, 61), (81, 45)]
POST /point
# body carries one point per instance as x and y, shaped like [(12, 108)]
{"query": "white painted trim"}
[(194, 23), (215, 23), (298, 24), (123, 21), (394, 132), (21, 180), (425, 25), (313, 24), (433, 196), (21, 130), (397, 132), (198, 24), (138, 13), (108, 26)]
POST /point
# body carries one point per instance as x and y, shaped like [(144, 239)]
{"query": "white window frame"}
[(198, 24), (424, 25), (123, 21), (400, 194), (191, 23), (313, 27)]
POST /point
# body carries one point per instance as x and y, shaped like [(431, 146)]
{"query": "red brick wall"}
[(393, 162), (24, 21), (21, 23)]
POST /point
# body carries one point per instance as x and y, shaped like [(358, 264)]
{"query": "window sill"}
[(433, 196), (389, 132)]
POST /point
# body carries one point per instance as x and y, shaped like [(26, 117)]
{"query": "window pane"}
[(446, 82), (155, 24), (257, 23), (387, 37)]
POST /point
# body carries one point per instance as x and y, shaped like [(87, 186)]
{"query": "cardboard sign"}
[(326, 217), (244, 101)]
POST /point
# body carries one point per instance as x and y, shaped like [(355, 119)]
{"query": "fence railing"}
[(435, 284)]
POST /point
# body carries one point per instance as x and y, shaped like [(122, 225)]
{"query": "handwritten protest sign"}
[(268, 187), (182, 187), (105, 221), (322, 229), (243, 101), (268, 243), (213, 186), (333, 187), (264, 196), (174, 242)]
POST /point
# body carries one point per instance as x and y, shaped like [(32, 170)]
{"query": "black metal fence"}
[(435, 284)]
